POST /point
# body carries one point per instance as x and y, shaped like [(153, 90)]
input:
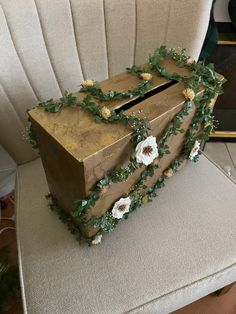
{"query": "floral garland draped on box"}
[(201, 88)]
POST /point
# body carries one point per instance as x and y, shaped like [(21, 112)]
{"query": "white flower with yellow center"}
[(121, 207), (97, 239), (146, 151), (195, 150)]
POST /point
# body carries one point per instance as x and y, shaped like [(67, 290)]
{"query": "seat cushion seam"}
[(181, 288)]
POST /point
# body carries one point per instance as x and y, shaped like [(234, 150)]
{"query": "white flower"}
[(97, 239), (121, 207), (146, 151), (195, 150)]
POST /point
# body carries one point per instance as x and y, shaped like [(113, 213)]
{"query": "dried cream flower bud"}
[(97, 239), (88, 83), (169, 173), (145, 199), (188, 93), (189, 61), (211, 103), (146, 76), (105, 113)]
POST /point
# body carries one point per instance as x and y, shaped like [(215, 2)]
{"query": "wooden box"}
[(77, 151)]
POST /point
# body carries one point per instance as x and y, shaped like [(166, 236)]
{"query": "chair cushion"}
[(169, 253)]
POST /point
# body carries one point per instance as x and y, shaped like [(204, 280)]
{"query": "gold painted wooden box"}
[(77, 152)]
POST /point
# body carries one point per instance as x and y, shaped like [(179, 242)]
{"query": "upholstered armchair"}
[(185, 248)]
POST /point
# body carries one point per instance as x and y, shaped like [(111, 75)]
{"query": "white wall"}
[(221, 13)]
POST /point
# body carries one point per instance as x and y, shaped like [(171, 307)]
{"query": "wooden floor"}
[(224, 155), (213, 304)]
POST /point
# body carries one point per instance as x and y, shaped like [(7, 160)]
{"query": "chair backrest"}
[(49, 46)]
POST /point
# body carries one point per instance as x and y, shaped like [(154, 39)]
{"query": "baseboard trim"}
[(230, 134)]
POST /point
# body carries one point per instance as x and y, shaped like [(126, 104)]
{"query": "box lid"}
[(76, 130)]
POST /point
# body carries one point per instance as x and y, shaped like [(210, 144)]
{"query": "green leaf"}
[(98, 119)]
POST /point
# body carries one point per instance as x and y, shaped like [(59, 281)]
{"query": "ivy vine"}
[(202, 81)]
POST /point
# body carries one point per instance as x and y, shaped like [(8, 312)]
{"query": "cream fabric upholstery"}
[(48, 46), (171, 252), (168, 254)]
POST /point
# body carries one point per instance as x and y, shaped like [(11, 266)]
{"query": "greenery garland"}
[(95, 90), (201, 77)]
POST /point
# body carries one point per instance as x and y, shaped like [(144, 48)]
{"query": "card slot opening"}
[(152, 92)]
